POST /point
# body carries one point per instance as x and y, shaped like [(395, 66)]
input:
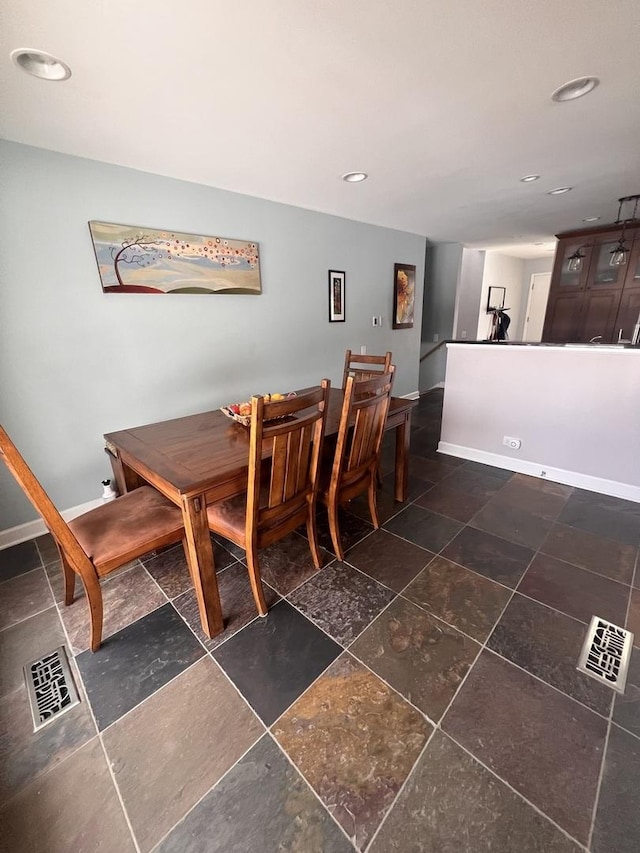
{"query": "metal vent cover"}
[(605, 653), (51, 688)]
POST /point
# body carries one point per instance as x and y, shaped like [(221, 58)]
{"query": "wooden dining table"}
[(199, 459)]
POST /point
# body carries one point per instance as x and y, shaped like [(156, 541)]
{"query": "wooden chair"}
[(281, 495), (355, 463), (364, 366), (103, 539)]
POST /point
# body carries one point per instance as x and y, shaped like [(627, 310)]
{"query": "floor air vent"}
[(605, 653), (50, 687)]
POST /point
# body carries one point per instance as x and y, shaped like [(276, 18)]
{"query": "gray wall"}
[(465, 323), (76, 363), (443, 265)]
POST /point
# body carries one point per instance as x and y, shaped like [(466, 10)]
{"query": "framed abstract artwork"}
[(132, 259), (404, 294), (336, 296)]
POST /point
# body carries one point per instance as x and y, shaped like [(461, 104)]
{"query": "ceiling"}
[(445, 105)]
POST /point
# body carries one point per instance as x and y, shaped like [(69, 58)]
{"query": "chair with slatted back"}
[(281, 495), (357, 455), (364, 366), (103, 539)]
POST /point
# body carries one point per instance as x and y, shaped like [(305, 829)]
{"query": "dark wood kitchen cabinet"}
[(596, 300)]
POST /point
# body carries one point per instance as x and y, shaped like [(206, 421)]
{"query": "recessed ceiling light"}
[(40, 64), (529, 178), (560, 190), (575, 89), (591, 219), (355, 177)]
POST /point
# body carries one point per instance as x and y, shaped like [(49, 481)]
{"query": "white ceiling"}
[(445, 104)]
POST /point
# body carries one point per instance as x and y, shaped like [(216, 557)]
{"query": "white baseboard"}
[(413, 395), (24, 532), (627, 491), (437, 385)]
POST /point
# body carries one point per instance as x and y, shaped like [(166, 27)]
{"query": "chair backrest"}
[(364, 366), (290, 432), (362, 421), (43, 504)]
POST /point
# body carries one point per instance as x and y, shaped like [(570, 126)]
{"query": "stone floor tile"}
[(47, 549), (390, 560), (135, 662), (288, 563), (539, 497), (355, 741), (548, 644), (424, 528), (524, 730), (170, 750), (24, 642), (236, 598), (341, 600), (617, 826), (19, 559), (352, 529), (588, 551), (512, 523), (23, 596), (284, 816), (446, 500), (460, 597), (170, 571), (491, 556), (126, 597), (27, 754), (626, 710), (274, 659), (574, 591), (418, 655), (481, 468), (73, 808), (474, 483), (386, 505), (451, 804), (416, 486), (602, 515), (633, 617)]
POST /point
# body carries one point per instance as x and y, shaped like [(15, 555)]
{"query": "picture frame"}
[(135, 259), (337, 294), (404, 295), (495, 299)]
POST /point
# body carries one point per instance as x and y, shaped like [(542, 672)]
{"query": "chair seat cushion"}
[(131, 523), (229, 518)]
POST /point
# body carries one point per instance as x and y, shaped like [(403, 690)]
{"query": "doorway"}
[(536, 306)]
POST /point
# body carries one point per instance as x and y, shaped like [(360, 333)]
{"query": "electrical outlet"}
[(513, 443), (374, 321), (463, 335), (363, 350), (435, 338), (380, 320)]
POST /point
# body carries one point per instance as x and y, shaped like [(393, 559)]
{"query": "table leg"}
[(200, 556), (126, 478), (403, 437)]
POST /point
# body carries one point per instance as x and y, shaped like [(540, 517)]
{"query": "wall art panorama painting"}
[(143, 260)]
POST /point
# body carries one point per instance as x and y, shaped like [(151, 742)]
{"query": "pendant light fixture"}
[(575, 260), (620, 252)]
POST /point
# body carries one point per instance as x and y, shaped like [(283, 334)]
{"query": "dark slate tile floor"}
[(422, 695)]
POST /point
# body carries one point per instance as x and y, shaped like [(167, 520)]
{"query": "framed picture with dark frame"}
[(404, 295), (495, 299), (337, 280)]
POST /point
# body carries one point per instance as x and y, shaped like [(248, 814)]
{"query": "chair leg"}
[(312, 533), (334, 529), (373, 509), (94, 598), (255, 580), (69, 580)]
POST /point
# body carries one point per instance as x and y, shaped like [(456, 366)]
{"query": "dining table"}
[(203, 458)]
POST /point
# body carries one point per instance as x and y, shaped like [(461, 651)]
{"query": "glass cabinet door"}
[(571, 265), (633, 267), (602, 275)]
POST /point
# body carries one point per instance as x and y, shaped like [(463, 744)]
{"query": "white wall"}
[(76, 363), (575, 411), (502, 271)]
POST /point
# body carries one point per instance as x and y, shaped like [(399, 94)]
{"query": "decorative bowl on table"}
[(241, 412)]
